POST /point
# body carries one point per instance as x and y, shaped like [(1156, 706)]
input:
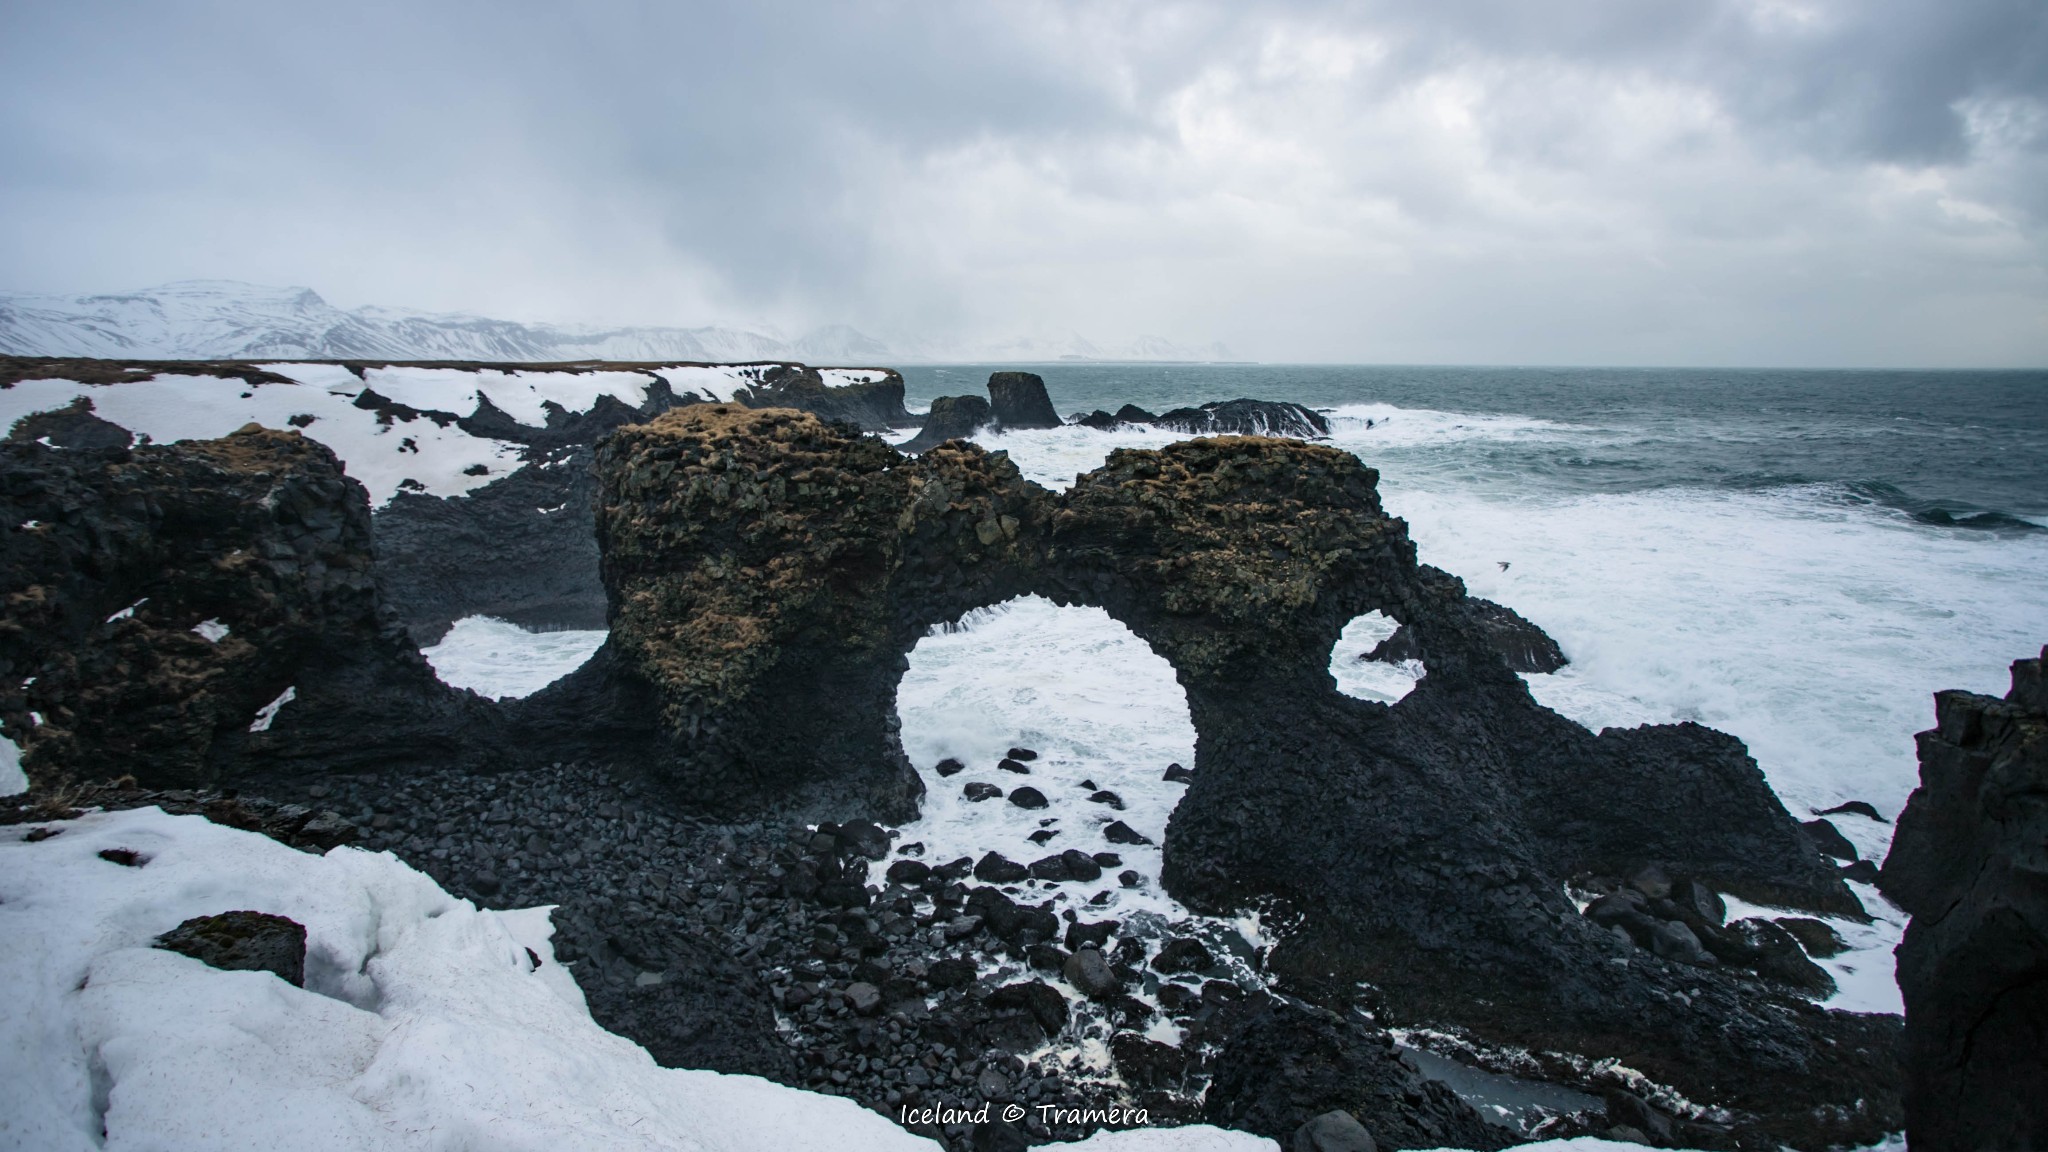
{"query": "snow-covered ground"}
[(425, 1022), (418, 454)]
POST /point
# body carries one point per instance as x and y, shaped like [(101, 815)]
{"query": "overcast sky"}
[(1841, 182)]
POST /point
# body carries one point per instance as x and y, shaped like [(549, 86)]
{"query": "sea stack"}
[(951, 418), (1020, 401)]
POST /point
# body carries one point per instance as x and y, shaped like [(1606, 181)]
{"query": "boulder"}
[(1333, 1131), (243, 942), (1118, 832), (909, 873), (1968, 864), (995, 868), (1028, 797), (978, 791), (1090, 974), (1040, 999), (1817, 937), (1829, 840), (1019, 401), (1145, 1064), (1183, 955)]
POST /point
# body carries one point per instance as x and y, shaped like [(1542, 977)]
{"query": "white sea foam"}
[(495, 658), (1379, 680), (1865, 980), (1093, 700)]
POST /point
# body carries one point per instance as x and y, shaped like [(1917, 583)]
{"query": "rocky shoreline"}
[(708, 801)]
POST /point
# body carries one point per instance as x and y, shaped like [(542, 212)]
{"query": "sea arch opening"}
[(1375, 659), (1104, 715)]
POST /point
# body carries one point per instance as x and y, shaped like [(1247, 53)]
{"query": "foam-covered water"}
[(496, 658), (1097, 705)]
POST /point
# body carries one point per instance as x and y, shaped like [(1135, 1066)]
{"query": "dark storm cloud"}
[(1594, 180)]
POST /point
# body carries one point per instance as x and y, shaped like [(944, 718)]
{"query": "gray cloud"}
[(1765, 181)]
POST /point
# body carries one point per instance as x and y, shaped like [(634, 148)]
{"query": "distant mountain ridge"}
[(231, 320)]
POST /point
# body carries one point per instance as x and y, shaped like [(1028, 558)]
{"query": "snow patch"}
[(128, 612), (268, 713), (13, 781), (212, 630), (467, 1043), (171, 407)]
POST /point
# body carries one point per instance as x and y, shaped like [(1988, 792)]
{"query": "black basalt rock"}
[(192, 613), (1969, 864), (1290, 1062), (1019, 401)]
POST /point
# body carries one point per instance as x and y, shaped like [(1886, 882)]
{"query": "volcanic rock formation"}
[(1020, 401), (951, 418), (1970, 862), (876, 406), (768, 572), (187, 613)]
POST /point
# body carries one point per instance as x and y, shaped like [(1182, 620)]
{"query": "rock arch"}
[(768, 572)]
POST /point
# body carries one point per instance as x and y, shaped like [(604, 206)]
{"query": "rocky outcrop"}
[(873, 407), (1970, 863), (188, 613), (72, 426), (1244, 418), (1019, 401), (950, 418), (767, 573)]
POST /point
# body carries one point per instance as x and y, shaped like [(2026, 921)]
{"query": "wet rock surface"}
[(1970, 863), (1246, 418)]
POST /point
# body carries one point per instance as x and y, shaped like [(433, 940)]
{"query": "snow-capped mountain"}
[(230, 320)]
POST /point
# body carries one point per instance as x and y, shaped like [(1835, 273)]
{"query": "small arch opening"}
[(500, 660), (1370, 661)]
